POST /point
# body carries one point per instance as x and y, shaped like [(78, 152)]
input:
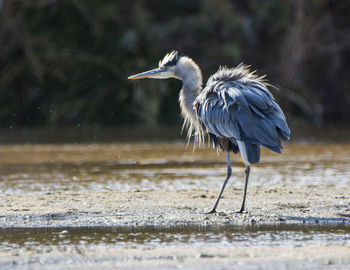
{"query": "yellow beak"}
[(156, 73)]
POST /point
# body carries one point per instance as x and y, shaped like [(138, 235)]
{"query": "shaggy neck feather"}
[(191, 76)]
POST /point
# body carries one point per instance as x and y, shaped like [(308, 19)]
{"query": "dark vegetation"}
[(65, 62)]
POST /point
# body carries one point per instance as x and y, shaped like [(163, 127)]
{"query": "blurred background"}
[(64, 63), (63, 81)]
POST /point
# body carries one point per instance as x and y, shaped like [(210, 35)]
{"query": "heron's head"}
[(166, 68)]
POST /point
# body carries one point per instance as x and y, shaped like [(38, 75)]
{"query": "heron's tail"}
[(253, 152)]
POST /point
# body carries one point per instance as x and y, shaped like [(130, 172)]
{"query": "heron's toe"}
[(240, 212), (213, 211)]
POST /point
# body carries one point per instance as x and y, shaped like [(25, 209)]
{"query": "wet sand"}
[(303, 257), (66, 186), (174, 208), (171, 208)]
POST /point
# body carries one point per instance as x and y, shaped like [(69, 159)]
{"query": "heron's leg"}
[(229, 171), (247, 170), (243, 152)]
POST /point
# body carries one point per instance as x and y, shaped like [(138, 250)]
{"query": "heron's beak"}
[(157, 73)]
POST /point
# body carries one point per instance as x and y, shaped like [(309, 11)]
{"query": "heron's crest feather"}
[(170, 59)]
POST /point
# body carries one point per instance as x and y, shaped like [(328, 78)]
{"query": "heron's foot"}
[(241, 211), (212, 211)]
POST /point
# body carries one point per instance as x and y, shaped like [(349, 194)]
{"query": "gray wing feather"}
[(216, 119), (236, 97), (245, 112)]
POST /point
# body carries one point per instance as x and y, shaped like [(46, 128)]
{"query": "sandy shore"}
[(303, 257), (172, 208)]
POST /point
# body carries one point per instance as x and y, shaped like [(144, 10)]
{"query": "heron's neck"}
[(191, 76)]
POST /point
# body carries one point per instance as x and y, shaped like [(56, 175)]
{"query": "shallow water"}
[(164, 166), (68, 168), (44, 240)]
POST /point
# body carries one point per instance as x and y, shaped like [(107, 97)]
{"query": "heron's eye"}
[(166, 67)]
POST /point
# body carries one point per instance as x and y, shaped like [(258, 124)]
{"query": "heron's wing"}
[(262, 103), (246, 112)]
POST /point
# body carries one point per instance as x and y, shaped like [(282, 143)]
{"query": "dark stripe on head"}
[(170, 59)]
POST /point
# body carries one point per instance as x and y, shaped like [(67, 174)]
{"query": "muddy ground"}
[(302, 205), (170, 208)]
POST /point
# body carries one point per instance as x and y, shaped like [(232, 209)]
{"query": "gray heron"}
[(235, 110)]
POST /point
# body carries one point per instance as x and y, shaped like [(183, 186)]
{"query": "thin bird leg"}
[(247, 170), (243, 152), (229, 171)]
